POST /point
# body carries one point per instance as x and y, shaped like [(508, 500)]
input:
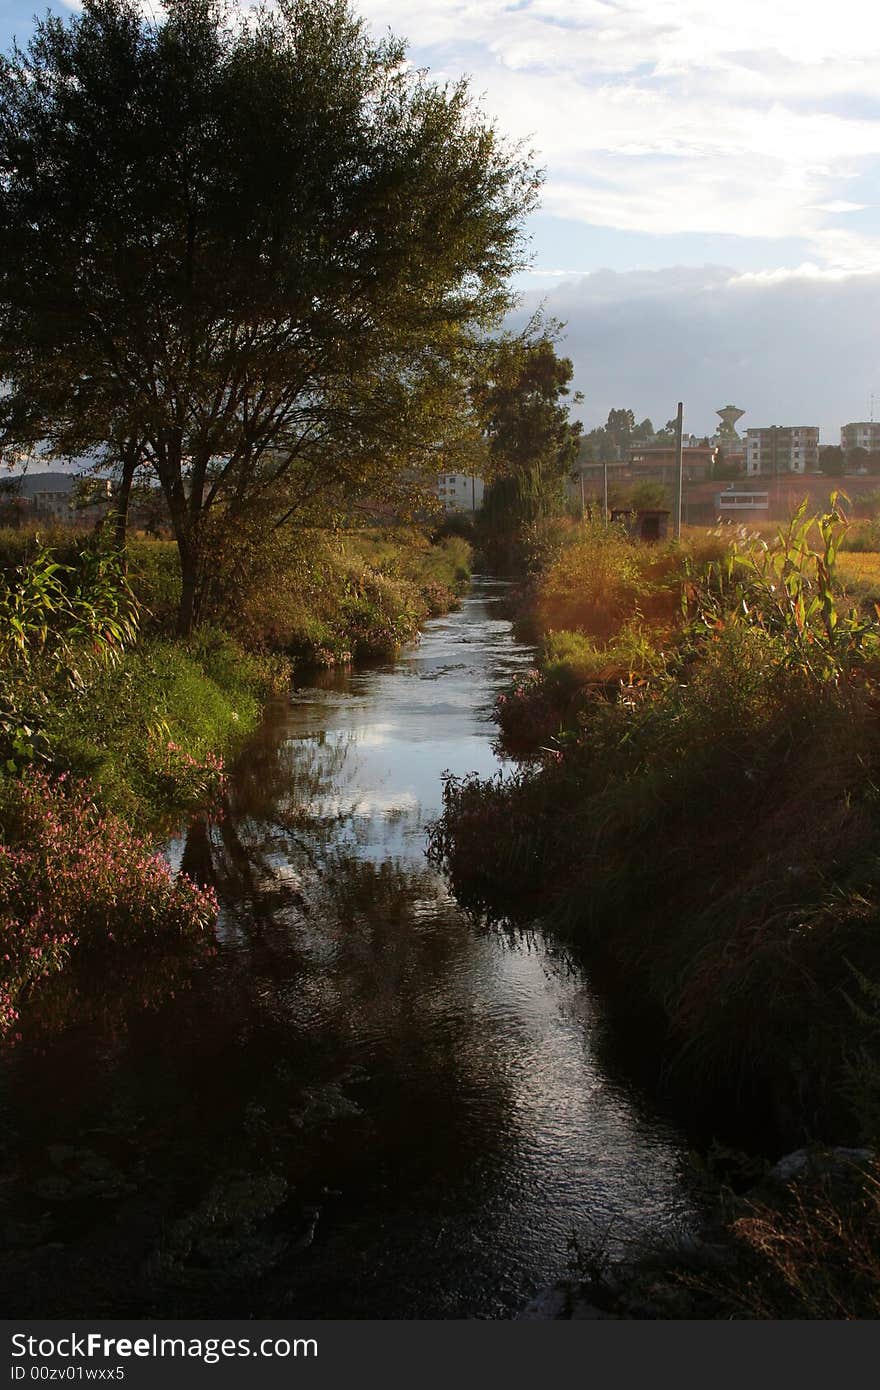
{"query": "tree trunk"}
[(129, 455), (185, 523), (189, 576)]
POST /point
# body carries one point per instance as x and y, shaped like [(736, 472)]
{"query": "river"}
[(365, 1103)]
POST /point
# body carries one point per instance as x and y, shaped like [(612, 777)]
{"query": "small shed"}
[(652, 524), (646, 524)]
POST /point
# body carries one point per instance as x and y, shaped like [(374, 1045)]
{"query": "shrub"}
[(530, 712), (59, 624), (604, 580), (325, 597), (74, 880)]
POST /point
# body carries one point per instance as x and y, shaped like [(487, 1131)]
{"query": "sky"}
[(710, 220)]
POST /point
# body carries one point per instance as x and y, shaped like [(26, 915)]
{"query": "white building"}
[(782, 449), (863, 434), (459, 492), (738, 501)]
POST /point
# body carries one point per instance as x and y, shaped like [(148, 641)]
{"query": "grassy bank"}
[(108, 722), (317, 596), (357, 594), (605, 612), (711, 823), (701, 813)]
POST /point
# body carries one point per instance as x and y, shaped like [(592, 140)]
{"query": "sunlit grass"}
[(859, 566)]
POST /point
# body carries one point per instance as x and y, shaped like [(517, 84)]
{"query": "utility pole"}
[(676, 515), (605, 490), (583, 503)]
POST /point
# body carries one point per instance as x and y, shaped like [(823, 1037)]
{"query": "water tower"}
[(729, 416)]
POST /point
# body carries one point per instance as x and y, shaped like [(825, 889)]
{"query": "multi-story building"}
[(864, 434), (459, 492), (66, 499), (658, 461), (782, 449)]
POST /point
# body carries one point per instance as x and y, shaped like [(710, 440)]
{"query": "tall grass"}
[(714, 831), (606, 611)]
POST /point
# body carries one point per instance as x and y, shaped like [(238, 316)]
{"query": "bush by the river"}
[(325, 597), (73, 880)]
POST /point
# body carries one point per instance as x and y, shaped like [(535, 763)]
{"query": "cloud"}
[(789, 347), (839, 205), (675, 116)]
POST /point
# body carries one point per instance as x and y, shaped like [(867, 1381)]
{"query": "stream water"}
[(365, 1103)]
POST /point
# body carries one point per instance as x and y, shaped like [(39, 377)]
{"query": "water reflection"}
[(365, 1104)]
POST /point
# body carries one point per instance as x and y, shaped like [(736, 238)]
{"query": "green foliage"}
[(154, 576), (620, 427), (863, 536), (520, 404), (788, 589), (650, 495), (832, 461), (605, 578), (54, 610), (59, 625), (632, 654), (351, 239), (151, 732), (532, 441), (612, 440), (325, 597), (145, 719)]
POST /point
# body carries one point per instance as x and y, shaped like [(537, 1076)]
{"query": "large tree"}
[(521, 403), (620, 427), (252, 254), (832, 461)]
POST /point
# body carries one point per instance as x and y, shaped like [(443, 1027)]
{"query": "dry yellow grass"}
[(859, 567)]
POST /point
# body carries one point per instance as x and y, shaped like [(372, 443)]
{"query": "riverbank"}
[(111, 728), (709, 830), (801, 1242), (723, 813), (361, 1105)]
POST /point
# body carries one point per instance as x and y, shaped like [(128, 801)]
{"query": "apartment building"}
[(863, 434), (659, 461), (460, 492), (779, 449)]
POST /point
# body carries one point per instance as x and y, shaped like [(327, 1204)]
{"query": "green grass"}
[(149, 729)]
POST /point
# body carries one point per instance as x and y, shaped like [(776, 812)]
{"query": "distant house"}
[(861, 434), (459, 492), (64, 499)]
